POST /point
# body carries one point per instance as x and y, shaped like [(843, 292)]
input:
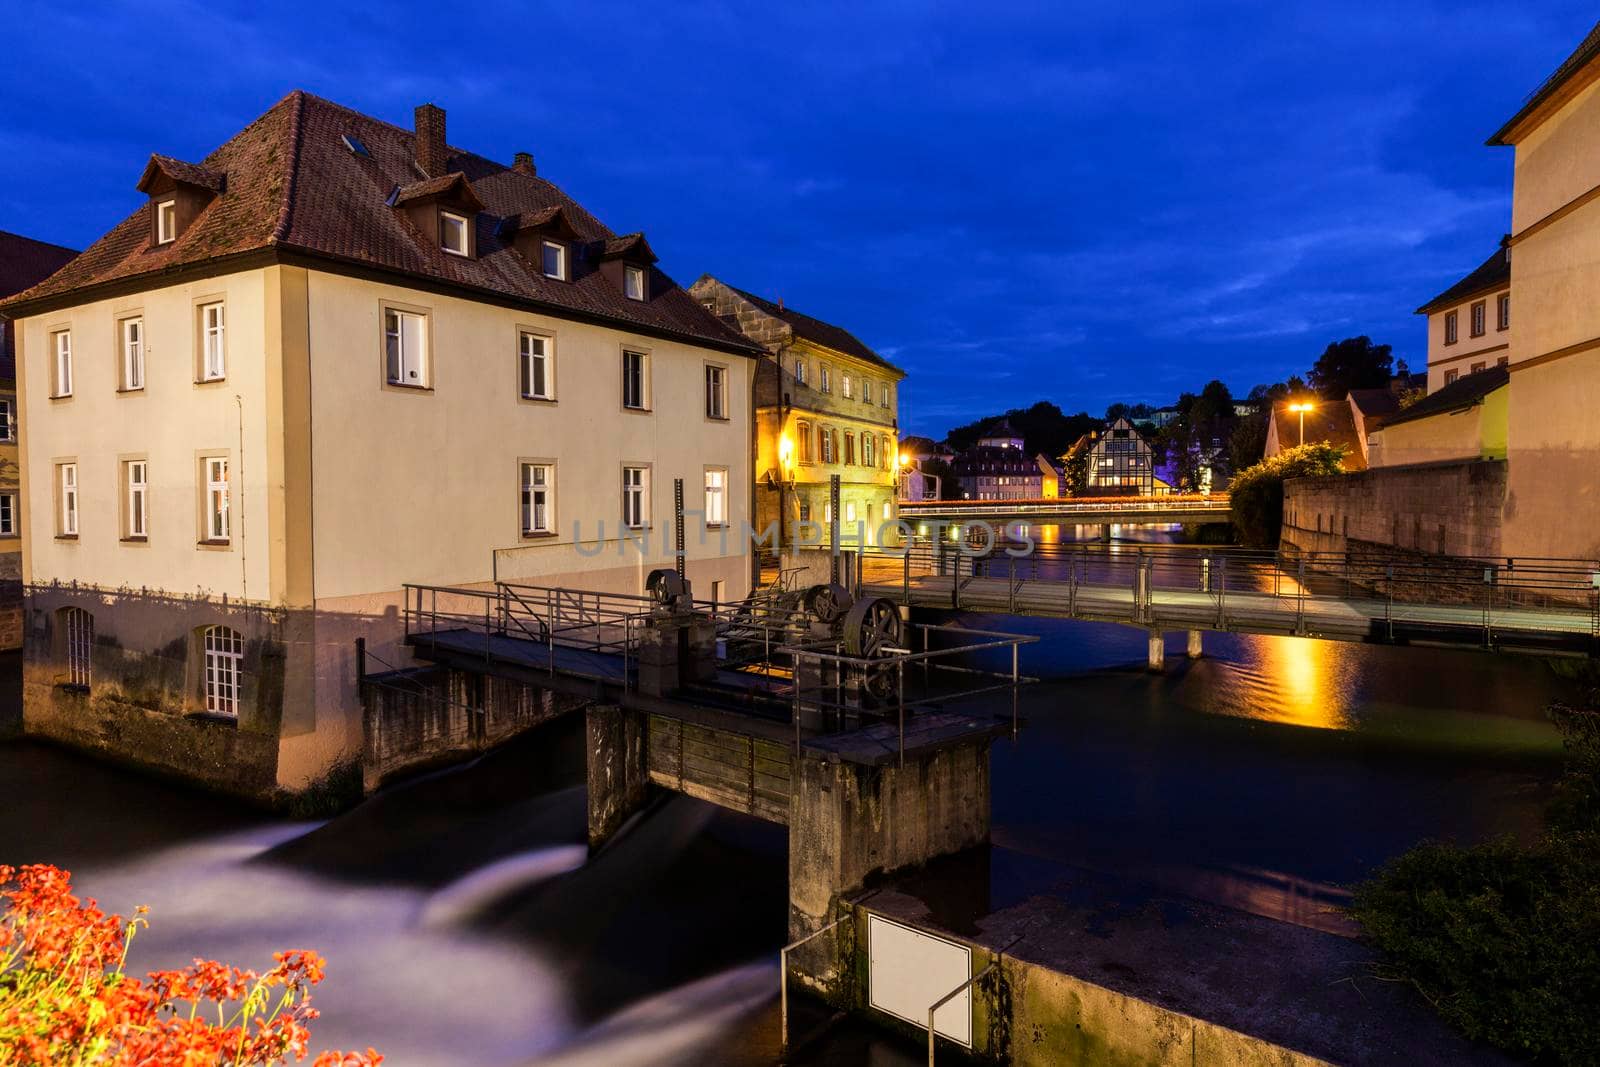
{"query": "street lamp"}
[(1302, 408)]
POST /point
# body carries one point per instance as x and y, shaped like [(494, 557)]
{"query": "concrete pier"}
[(1157, 661), (618, 781), (1195, 648), (849, 821)]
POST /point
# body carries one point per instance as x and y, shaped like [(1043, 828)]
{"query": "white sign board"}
[(909, 971)]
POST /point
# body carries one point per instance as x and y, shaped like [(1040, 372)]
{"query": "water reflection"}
[(1308, 691)]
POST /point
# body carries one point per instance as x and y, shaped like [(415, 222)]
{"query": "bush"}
[(1256, 493), (65, 999), (1504, 939)]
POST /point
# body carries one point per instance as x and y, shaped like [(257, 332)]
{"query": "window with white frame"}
[(8, 419), (1479, 317), (553, 259), (453, 233), (827, 445), (166, 221), (67, 499), (538, 498), (716, 392), (883, 399), (801, 374), (133, 353), (405, 336), (867, 440), (136, 495), (825, 379), (635, 380), (80, 645), (1502, 312), (63, 363), (213, 350), (635, 497), (8, 514), (216, 499), (1450, 328), (536, 378), (844, 385), (224, 653), (716, 496), (633, 282)]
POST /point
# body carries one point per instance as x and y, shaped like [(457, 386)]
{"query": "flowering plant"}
[(65, 997)]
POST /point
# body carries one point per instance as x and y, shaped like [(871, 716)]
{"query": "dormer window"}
[(633, 282), (166, 221), (553, 260), (453, 233)]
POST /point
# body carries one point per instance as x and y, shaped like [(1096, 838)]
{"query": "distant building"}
[(1121, 463), (915, 482), (24, 263), (825, 404), (998, 467), (1469, 324), (1332, 421)]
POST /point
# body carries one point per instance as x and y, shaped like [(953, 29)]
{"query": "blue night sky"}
[(1075, 202)]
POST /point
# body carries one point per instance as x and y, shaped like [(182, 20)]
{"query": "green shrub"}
[(1504, 939), (1256, 493)]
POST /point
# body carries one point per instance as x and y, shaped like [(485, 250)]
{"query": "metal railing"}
[(1059, 507), (1139, 581), (834, 691)]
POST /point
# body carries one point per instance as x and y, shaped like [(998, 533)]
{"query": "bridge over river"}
[(1547, 606), (1073, 511)]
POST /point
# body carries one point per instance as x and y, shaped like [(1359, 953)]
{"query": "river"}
[(465, 924)]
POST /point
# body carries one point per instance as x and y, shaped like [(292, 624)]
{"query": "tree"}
[(1354, 363), (1118, 411), (1075, 474), (1256, 493), (1248, 442)]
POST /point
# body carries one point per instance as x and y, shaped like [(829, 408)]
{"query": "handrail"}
[(783, 972), (963, 987)]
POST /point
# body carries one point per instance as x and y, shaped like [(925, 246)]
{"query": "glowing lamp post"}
[(1302, 408)]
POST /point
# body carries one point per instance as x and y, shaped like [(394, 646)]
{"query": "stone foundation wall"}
[(10, 600), (432, 716), (1448, 509), (145, 701)]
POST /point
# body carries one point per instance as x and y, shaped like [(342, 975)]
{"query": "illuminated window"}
[(80, 645), (716, 496)]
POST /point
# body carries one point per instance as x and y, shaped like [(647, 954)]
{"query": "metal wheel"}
[(828, 603), (871, 626), (665, 586)]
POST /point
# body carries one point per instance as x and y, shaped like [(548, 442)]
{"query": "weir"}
[(803, 706)]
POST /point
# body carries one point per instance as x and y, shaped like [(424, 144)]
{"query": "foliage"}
[(1075, 474), (1354, 363), (1256, 493), (65, 997), (1248, 441), (338, 790), (1044, 429), (1504, 939)]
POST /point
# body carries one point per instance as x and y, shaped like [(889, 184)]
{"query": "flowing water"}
[(464, 922)]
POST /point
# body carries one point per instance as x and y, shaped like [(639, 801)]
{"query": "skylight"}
[(353, 143)]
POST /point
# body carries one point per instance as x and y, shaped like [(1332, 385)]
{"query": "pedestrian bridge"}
[(1087, 511), (1531, 605)]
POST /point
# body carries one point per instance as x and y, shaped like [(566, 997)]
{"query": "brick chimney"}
[(431, 152), (523, 163)]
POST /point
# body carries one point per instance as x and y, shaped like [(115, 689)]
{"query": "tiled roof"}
[(445, 183), (629, 243), (1462, 393), (1000, 428), (994, 459), (1493, 273), (25, 262), (294, 186), (1374, 402), (179, 171), (819, 332), (1587, 49)]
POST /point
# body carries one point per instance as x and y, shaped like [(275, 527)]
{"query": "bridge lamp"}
[(1302, 408)]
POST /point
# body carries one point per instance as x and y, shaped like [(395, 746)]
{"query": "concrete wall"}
[(421, 485), (169, 423), (1478, 432), (1444, 508)]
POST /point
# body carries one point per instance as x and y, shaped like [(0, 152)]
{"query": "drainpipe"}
[(244, 573)]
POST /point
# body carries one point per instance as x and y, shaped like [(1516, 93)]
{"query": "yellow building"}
[(825, 404), (1469, 324), (334, 357)]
